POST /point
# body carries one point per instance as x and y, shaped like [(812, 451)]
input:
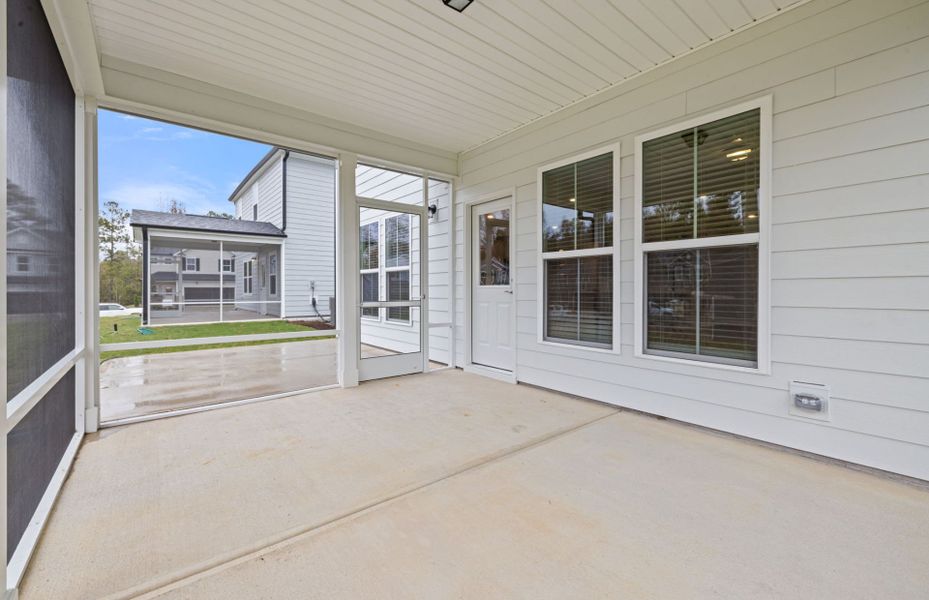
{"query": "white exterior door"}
[(492, 306)]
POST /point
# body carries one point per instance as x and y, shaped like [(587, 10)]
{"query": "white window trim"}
[(763, 238), (616, 347), (222, 265), (188, 270)]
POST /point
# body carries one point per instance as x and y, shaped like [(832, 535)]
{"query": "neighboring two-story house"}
[(276, 258)]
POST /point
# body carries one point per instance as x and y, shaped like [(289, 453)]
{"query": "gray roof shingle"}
[(163, 220)]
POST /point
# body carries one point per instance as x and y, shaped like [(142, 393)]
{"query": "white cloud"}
[(198, 194), (152, 134)]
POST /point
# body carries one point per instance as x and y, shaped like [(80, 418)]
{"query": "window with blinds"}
[(397, 265), (578, 213), (700, 241), (369, 256), (397, 241)]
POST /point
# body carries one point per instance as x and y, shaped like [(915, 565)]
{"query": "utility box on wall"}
[(809, 400)]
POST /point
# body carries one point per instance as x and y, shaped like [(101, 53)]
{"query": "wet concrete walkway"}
[(154, 383)]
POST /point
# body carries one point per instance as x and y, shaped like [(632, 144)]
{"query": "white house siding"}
[(265, 189), (309, 250), (439, 281), (849, 232)]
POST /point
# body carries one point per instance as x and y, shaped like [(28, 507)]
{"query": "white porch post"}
[(346, 270), (91, 271), (3, 328), (221, 290)]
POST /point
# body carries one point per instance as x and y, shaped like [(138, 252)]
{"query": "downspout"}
[(145, 282), (284, 191)]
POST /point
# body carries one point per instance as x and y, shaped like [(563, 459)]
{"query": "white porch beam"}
[(161, 95), (73, 29)]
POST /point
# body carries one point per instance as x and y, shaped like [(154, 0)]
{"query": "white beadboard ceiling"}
[(415, 68)]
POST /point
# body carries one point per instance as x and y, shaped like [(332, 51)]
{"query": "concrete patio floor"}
[(449, 485)]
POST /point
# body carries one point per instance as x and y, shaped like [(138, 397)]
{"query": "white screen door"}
[(391, 315), (492, 306)]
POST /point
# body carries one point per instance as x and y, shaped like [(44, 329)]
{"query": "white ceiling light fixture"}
[(458, 5)]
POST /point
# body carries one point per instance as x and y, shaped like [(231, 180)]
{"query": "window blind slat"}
[(398, 288)]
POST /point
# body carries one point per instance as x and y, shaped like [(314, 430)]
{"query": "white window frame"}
[(762, 238), (408, 267), (187, 269), (23, 263), (226, 265), (614, 251)]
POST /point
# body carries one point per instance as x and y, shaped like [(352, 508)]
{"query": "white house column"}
[(346, 260)]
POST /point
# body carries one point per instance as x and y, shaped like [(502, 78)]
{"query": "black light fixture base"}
[(458, 5)]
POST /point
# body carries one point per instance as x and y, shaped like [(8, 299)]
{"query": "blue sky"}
[(144, 163)]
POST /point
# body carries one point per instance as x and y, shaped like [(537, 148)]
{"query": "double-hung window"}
[(578, 262), (272, 274), (397, 265), (370, 267), (247, 276), (191, 264), (699, 239)]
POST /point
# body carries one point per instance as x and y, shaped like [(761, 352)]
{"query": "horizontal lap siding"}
[(849, 233), (309, 251)]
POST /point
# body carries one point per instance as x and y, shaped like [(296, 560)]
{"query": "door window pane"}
[(398, 288), (397, 241), (577, 205), (369, 246), (369, 293), (579, 300), (494, 232)]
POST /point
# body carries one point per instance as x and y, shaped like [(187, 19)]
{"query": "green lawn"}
[(127, 331)]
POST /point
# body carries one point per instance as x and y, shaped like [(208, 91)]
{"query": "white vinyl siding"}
[(309, 250), (849, 230)]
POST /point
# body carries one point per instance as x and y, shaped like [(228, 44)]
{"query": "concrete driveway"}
[(450, 485)]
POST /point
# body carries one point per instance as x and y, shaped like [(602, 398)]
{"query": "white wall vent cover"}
[(809, 400)]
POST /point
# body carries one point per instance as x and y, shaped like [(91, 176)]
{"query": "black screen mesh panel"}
[(34, 449), (40, 254), (40, 209)]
